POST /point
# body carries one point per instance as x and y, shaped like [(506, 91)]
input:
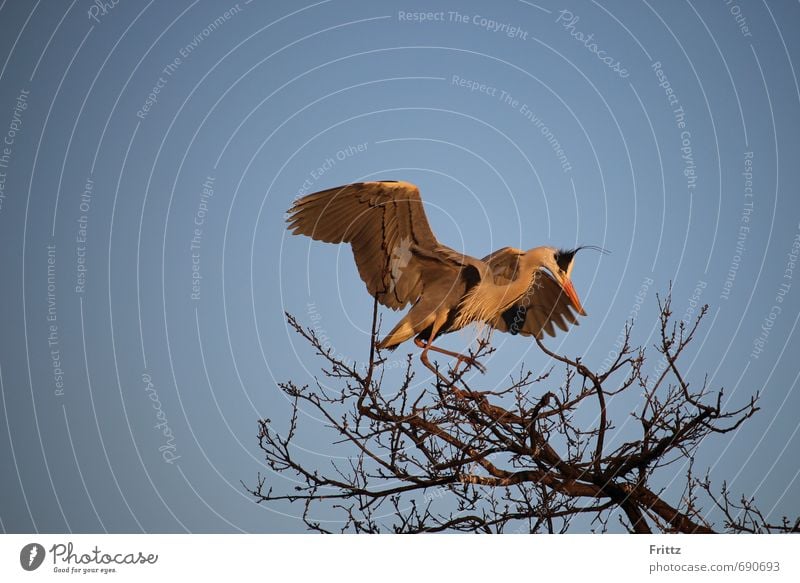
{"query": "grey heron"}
[(401, 262)]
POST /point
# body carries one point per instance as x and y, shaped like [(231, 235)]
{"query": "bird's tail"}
[(399, 334)]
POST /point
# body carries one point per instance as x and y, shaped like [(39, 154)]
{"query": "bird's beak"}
[(568, 288)]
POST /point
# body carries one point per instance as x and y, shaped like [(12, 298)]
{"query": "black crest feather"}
[(564, 257)]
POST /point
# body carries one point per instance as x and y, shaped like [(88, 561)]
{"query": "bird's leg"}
[(460, 357), (424, 358)]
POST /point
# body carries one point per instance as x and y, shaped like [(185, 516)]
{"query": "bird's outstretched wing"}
[(544, 306), (386, 225)]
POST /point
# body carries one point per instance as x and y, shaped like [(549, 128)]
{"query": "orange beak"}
[(572, 295)]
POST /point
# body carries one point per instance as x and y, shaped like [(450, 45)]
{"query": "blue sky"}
[(154, 150)]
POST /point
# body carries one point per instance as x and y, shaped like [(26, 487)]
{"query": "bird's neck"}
[(516, 289), (488, 300)]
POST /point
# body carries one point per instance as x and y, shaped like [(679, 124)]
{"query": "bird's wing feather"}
[(504, 264), (386, 225), (541, 309)]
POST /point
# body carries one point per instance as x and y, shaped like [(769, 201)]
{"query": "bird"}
[(402, 263)]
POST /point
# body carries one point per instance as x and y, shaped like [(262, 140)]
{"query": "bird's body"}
[(402, 262)]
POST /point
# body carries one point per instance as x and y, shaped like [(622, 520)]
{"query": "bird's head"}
[(559, 263)]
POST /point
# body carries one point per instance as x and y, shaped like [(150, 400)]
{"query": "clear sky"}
[(151, 151)]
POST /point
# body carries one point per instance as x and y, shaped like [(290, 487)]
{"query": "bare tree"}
[(450, 457)]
